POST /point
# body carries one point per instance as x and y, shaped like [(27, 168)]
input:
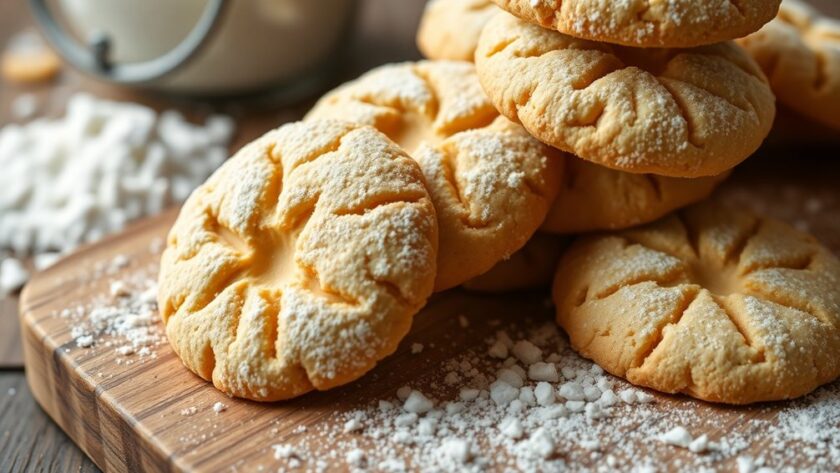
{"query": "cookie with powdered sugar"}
[(673, 112), (712, 302), (491, 182), (647, 23), (449, 29), (800, 53), (593, 197), (300, 262)]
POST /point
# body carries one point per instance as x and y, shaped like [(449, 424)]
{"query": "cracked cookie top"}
[(711, 302), (300, 262), (673, 112), (593, 197), (490, 181), (648, 23), (449, 29), (799, 52)]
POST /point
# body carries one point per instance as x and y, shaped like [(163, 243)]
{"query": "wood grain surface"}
[(29, 441)]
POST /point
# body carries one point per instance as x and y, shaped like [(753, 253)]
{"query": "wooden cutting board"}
[(130, 417)]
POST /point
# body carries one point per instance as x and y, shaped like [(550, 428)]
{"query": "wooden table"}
[(29, 441)]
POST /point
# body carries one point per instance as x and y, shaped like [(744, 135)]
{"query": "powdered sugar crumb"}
[(496, 417), (123, 318)]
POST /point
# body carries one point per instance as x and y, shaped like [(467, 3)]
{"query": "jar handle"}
[(95, 58)]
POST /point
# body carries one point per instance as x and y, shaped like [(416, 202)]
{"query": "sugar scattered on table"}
[(678, 437), (353, 425), (76, 178)]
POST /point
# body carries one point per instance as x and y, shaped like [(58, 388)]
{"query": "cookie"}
[(680, 113), (491, 182), (299, 263), (26, 59), (593, 197), (712, 302), (800, 53), (646, 23), (449, 29), (531, 267)]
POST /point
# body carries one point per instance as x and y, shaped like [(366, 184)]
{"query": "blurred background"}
[(83, 154)]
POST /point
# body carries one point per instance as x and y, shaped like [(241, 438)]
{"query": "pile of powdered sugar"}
[(76, 178), (529, 403), (124, 319)]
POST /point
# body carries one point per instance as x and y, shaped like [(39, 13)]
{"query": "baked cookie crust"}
[(647, 23), (673, 112), (300, 262), (711, 302), (594, 197), (449, 29), (491, 182), (799, 52), (531, 267)]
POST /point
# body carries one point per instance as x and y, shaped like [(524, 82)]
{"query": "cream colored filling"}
[(273, 261), (721, 281), (415, 129)]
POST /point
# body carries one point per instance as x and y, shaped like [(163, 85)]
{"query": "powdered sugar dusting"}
[(482, 411), (123, 319)]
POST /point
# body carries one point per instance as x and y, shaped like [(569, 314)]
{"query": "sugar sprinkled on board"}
[(678, 437), (356, 458), (497, 417), (124, 317), (283, 451)]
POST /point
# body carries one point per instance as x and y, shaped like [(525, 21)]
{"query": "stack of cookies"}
[(302, 261), (654, 101), (800, 53)]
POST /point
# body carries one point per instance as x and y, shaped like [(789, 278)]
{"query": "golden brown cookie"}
[(531, 267), (26, 59), (300, 263), (712, 302), (680, 113), (593, 197), (647, 23), (492, 183), (449, 29), (800, 53)]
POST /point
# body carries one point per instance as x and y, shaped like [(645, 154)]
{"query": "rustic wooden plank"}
[(29, 440)]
